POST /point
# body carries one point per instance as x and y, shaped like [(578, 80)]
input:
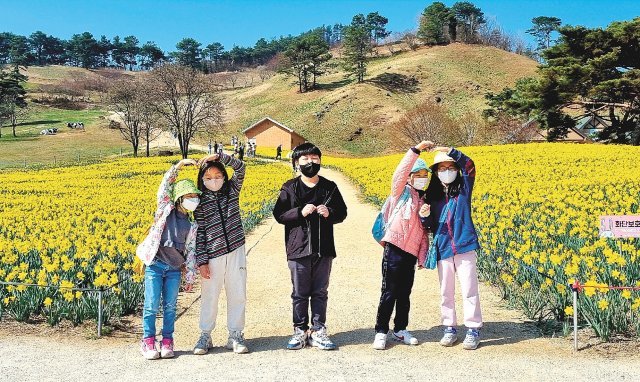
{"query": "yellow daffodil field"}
[(79, 227), (536, 209)]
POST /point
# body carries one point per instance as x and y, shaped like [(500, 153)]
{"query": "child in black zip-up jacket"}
[(309, 205)]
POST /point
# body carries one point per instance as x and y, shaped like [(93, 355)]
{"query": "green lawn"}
[(67, 146)]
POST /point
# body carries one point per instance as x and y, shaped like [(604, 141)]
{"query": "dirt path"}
[(167, 140), (511, 349)]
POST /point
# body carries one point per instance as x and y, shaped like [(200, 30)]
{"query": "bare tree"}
[(470, 127), (427, 121), (492, 34), (127, 101), (185, 99), (264, 72), (149, 118), (508, 129), (411, 39), (12, 112), (233, 78), (391, 42)]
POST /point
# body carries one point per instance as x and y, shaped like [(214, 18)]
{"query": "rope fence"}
[(99, 291), (577, 287)]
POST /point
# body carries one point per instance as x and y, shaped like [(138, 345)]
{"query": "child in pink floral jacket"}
[(168, 248)]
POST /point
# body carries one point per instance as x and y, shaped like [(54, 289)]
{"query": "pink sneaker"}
[(148, 348), (166, 348)]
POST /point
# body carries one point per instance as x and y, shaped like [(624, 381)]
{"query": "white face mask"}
[(214, 184), (448, 176), (419, 183), (190, 204)]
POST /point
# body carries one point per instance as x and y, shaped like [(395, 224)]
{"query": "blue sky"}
[(243, 22)]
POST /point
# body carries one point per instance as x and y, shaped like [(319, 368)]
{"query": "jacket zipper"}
[(224, 225), (326, 202), (319, 236)]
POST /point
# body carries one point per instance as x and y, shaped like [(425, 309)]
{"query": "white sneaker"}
[(236, 343), (298, 341), (321, 340), (380, 341), (471, 340), (203, 345), (148, 348), (404, 336), (450, 337), (166, 348)]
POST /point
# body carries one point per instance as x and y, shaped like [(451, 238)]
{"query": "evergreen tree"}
[(357, 47), (434, 22)]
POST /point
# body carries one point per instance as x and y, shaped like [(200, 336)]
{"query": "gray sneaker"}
[(203, 345), (298, 340), (450, 337), (321, 340), (471, 340), (236, 343)]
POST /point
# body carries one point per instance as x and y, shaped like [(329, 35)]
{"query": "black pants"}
[(398, 271), (310, 279)]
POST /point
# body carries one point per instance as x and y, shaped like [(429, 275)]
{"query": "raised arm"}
[(239, 169), (467, 167), (163, 196), (402, 172)]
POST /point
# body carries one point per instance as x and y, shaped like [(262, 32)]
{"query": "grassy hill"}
[(95, 142), (458, 74)]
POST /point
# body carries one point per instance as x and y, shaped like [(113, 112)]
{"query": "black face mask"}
[(310, 169)]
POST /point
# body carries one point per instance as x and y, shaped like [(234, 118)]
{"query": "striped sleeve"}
[(238, 167), (201, 238)]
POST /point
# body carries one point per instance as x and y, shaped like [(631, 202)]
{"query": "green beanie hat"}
[(184, 187)]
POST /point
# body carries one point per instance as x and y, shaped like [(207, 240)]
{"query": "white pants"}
[(229, 271), (464, 265)]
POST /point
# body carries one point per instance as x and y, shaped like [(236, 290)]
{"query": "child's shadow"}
[(491, 334), (189, 353), (262, 344)]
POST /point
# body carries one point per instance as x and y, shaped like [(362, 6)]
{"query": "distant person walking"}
[(241, 152)]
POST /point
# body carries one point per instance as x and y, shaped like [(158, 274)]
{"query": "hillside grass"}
[(344, 118), (459, 74), (68, 145)]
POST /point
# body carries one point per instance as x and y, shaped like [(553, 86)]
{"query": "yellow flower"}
[(66, 285), (68, 296), (626, 294), (568, 310), (603, 304), (48, 301)]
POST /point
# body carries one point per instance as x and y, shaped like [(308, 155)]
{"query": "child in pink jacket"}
[(405, 242)]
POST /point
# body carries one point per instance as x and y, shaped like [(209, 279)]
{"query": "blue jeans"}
[(160, 280)]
